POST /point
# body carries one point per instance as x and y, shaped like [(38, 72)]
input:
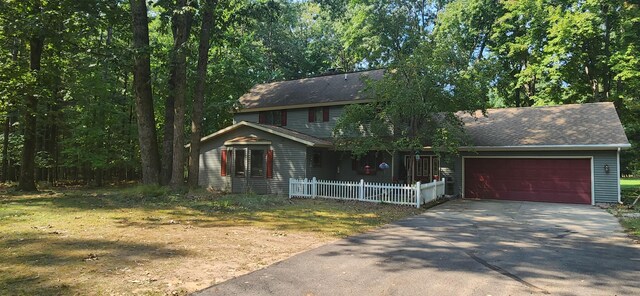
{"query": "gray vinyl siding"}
[(250, 117), (298, 120), (210, 158), (289, 160), (605, 186)]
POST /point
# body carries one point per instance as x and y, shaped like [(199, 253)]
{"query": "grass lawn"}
[(630, 188), (630, 183), (144, 240)]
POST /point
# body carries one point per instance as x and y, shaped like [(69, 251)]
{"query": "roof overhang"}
[(247, 141), (545, 147), (299, 106), (264, 129)]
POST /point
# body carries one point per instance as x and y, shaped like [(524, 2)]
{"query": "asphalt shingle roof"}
[(336, 88), (579, 124)]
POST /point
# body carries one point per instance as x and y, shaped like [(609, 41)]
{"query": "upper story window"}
[(318, 114), (274, 117)]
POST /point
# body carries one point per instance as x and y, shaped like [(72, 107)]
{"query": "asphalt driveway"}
[(464, 247)]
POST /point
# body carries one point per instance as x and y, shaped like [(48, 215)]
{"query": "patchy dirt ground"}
[(123, 243), (168, 259)]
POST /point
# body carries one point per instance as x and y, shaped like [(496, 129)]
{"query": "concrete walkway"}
[(464, 247)]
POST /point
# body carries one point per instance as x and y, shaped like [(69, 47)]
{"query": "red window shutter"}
[(270, 164), (325, 114), (223, 162), (312, 115), (262, 117), (284, 117)]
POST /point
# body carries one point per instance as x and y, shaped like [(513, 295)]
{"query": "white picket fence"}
[(400, 194)]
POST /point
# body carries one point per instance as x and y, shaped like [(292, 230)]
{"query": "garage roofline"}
[(544, 147)]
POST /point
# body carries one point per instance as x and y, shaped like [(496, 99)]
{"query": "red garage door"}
[(528, 179)]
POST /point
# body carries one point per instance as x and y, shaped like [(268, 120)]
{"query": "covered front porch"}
[(399, 168)]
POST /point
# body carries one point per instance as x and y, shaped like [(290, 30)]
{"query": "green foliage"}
[(145, 191), (446, 56), (415, 103), (14, 148)]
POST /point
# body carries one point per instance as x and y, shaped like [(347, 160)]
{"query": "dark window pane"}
[(239, 159), (257, 163), (318, 115), (277, 117), (273, 117), (316, 160), (269, 117)]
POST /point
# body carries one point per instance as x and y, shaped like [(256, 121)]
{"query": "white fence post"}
[(314, 188), (444, 183), (435, 190), (418, 194), (414, 195)]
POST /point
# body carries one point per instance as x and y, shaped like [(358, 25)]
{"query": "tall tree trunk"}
[(149, 155), (182, 23), (198, 98), (606, 79), (27, 164), (5, 149), (167, 138), (169, 120)]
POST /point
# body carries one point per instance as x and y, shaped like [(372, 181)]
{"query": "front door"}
[(426, 168)]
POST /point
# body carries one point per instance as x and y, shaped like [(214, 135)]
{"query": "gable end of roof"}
[(278, 131)]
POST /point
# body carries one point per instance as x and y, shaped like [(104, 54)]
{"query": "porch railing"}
[(400, 194)]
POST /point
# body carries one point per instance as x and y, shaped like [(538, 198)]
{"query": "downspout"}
[(618, 177)]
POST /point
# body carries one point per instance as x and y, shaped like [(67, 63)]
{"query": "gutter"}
[(618, 177), (544, 147), (300, 106)]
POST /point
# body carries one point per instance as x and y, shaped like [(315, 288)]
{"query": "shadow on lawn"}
[(340, 224), (25, 254), (278, 212), (82, 200)]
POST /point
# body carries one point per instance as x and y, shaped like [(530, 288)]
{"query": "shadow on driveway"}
[(465, 247)]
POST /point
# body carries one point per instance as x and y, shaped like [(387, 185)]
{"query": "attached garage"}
[(561, 154), (562, 180)]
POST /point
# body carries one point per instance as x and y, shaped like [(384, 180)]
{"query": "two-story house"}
[(284, 130)]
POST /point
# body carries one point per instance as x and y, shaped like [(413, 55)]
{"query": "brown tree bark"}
[(167, 138), (27, 164), (149, 155), (5, 149), (198, 98), (181, 22), (606, 79), (169, 119)]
